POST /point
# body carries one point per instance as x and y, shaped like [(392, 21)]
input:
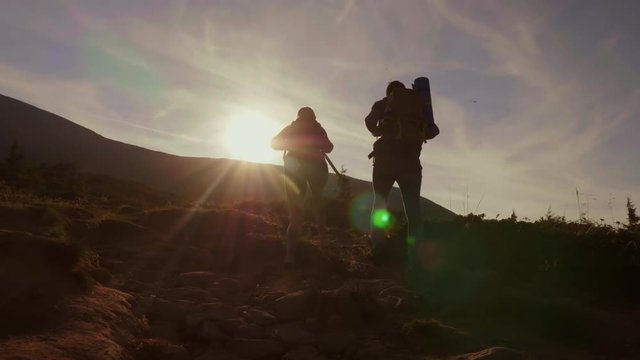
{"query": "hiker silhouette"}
[(396, 158), (305, 144)]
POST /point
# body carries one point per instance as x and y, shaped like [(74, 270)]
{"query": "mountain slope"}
[(49, 138)]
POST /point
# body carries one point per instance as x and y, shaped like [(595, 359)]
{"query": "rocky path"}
[(310, 312), (210, 284)]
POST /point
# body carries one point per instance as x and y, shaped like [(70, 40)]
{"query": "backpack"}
[(404, 116), (421, 85)]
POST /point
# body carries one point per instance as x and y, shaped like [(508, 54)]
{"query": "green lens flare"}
[(411, 240), (382, 219)]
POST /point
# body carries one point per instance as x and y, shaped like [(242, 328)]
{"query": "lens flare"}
[(382, 219)]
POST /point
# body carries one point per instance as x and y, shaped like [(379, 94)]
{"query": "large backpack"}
[(404, 116), (422, 87)]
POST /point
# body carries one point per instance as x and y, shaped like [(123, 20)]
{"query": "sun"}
[(248, 137)]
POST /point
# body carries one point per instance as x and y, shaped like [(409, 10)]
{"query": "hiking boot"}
[(378, 250)]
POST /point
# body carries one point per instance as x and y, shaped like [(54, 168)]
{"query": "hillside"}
[(102, 279), (46, 137)]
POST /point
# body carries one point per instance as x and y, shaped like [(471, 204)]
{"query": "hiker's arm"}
[(281, 141), (375, 115), (326, 145), (290, 138)]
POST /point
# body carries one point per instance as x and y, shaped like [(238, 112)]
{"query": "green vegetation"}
[(515, 281), (632, 217), (28, 183)]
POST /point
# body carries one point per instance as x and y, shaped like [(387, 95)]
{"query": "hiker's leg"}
[(410, 184), (382, 182), (294, 228), (317, 182), (295, 191)]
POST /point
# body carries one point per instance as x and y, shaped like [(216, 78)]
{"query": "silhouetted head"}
[(395, 84), (306, 114)]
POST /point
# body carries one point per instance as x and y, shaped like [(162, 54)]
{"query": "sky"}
[(534, 99)]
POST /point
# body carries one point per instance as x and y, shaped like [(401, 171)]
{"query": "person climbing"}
[(305, 143), (398, 122)]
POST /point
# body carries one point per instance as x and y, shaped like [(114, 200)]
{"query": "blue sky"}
[(534, 98)]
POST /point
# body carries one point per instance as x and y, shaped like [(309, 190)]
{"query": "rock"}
[(291, 333), (209, 332), (303, 353), (438, 338), (172, 311), (157, 349), (238, 327), (292, 306), (267, 298), (335, 342), (186, 293), (146, 276), (231, 326), (371, 350), (210, 311), (494, 353), (199, 279), (258, 349), (228, 285), (249, 331), (398, 291), (163, 329), (128, 210), (259, 317), (312, 324), (391, 302)]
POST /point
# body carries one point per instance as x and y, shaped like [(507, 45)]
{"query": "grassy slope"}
[(552, 289)]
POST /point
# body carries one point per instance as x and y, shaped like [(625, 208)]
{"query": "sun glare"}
[(249, 135)]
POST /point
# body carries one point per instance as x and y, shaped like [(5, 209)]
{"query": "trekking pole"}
[(332, 166)]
